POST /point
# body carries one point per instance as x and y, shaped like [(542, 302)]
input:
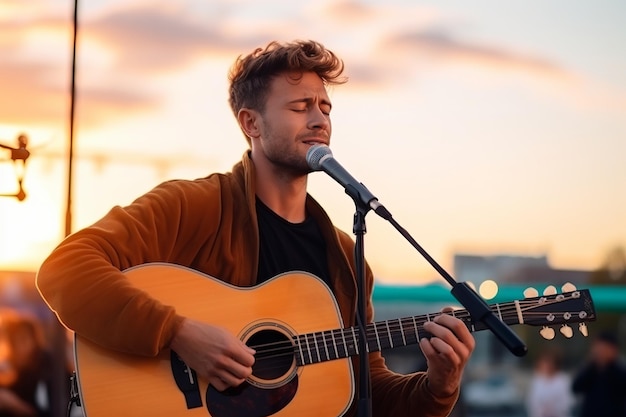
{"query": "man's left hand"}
[(447, 353)]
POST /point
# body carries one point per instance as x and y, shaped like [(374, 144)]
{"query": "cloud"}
[(124, 46), (349, 11), (155, 37), (30, 95), (439, 46), (118, 52), (430, 48), (37, 92), (387, 44), (150, 38), (35, 82), (17, 9), (25, 97)]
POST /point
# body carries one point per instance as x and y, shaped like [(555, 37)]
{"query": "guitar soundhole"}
[(274, 358), (274, 380)]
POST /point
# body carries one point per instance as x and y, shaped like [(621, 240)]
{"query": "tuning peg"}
[(547, 332), (582, 327), (530, 292), (568, 286), (567, 331), (550, 290)]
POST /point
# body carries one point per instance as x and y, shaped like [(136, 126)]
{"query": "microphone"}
[(320, 158)]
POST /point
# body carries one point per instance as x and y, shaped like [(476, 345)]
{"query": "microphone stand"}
[(319, 157), (364, 404)]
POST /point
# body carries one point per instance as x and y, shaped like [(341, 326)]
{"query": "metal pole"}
[(68, 204)]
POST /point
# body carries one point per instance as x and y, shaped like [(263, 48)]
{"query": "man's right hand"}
[(215, 354)]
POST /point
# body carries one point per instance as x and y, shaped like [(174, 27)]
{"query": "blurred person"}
[(24, 365), (601, 382), (243, 227), (549, 392)]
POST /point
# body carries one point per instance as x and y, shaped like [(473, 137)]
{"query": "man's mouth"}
[(312, 142)]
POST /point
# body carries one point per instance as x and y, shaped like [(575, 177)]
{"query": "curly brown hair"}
[(251, 75)]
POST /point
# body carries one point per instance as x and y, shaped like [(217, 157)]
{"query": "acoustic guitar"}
[(302, 361)]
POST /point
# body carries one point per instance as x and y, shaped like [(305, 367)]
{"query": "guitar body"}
[(116, 384)]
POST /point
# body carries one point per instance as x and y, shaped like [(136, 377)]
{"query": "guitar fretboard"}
[(566, 308), (342, 343)]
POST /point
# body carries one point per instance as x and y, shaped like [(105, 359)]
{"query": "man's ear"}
[(249, 122)]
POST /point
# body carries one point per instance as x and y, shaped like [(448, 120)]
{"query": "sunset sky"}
[(485, 127)]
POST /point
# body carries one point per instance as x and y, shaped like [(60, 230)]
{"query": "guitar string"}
[(290, 351), (508, 310), (287, 348)]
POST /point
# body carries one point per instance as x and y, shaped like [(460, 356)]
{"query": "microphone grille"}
[(315, 154)]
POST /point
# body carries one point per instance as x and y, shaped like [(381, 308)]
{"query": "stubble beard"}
[(290, 163), (283, 156)]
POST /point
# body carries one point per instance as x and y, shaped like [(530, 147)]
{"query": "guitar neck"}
[(342, 343), (388, 334)]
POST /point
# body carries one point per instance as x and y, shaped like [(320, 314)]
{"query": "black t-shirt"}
[(286, 246)]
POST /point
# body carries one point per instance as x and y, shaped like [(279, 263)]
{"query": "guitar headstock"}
[(572, 306)]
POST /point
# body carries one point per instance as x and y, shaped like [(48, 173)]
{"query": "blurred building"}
[(515, 269)]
